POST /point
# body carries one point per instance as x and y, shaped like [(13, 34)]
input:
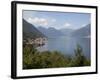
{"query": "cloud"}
[(27, 14), (83, 25), (67, 24), (38, 21)]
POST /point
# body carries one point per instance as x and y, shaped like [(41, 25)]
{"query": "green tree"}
[(33, 59), (79, 59)]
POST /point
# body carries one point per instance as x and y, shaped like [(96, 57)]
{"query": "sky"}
[(57, 20)]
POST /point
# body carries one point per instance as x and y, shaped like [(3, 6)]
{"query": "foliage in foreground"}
[(33, 59)]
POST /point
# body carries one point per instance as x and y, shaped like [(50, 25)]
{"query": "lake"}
[(67, 45)]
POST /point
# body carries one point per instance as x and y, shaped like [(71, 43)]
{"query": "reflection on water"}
[(67, 45)]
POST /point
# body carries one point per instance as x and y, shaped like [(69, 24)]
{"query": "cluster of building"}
[(37, 41)]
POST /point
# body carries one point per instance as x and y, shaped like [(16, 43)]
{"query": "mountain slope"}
[(82, 32), (50, 32), (29, 31), (66, 32)]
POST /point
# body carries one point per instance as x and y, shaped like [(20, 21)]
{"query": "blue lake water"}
[(67, 45)]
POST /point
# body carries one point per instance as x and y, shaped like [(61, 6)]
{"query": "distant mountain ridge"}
[(66, 32), (82, 32), (29, 31), (50, 32)]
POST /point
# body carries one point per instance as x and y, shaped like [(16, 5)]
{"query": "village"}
[(40, 41)]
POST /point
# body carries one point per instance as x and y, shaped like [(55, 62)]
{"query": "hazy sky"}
[(57, 20)]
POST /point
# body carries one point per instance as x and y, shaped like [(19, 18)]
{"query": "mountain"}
[(50, 32), (82, 32), (29, 31), (66, 32)]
